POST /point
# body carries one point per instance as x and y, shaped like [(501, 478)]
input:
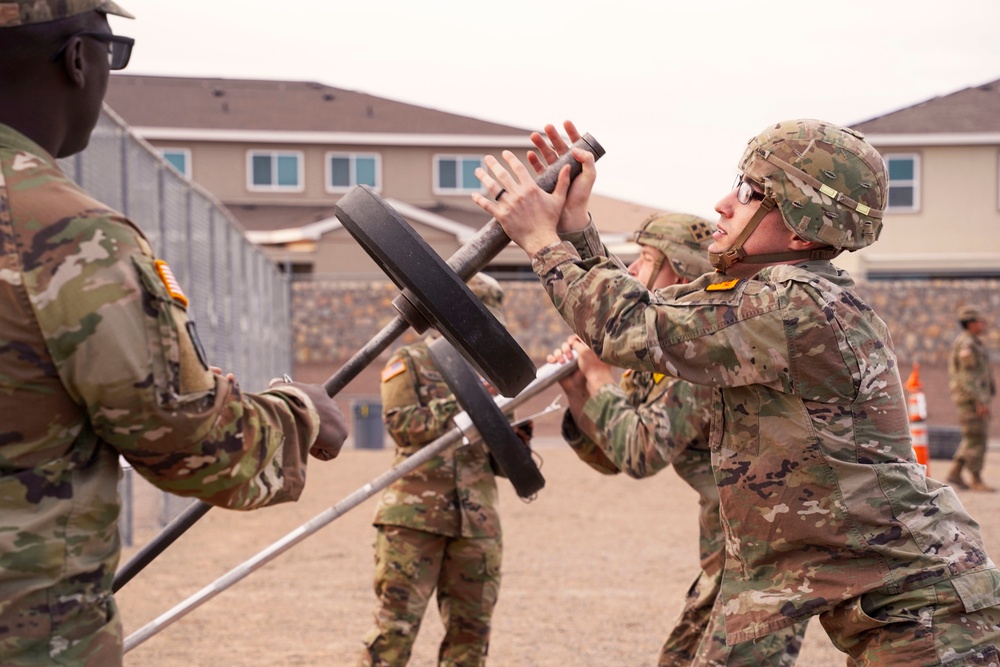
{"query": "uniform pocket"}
[(162, 339), (978, 590), (740, 421)]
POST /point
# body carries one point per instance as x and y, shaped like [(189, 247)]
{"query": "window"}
[(180, 158), (456, 173), (904, 182), (274, 170), (344, 170)]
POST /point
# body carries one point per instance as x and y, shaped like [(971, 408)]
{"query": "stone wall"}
[(921, 314), (332, 319)]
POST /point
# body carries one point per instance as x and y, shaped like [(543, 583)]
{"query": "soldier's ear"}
[(74, 62)]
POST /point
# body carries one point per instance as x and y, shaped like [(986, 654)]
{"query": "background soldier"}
[(98, 359), (438, 527), (972, 389), (651, 421), (825, 509)]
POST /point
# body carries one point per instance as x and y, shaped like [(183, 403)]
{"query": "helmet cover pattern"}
[(682, 238), (830, 185)]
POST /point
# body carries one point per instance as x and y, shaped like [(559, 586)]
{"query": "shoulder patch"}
[(173, 287), (658, 377), (721, 287), (392, 371)]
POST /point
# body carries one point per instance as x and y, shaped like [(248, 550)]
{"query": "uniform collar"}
[(11, 138)]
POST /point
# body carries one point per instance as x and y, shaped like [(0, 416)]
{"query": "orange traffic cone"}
[(916, 407)]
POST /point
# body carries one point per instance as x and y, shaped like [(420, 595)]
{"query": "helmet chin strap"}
[(723, 261), (655, 271)]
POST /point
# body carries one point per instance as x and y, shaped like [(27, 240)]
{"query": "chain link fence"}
[(240, 301)]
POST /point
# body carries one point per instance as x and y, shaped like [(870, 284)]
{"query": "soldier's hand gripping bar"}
[(466, 261)]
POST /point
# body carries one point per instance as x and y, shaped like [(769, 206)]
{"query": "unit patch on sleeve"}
[(390, 372), (173, 287)]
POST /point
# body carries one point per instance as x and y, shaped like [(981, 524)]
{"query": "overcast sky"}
[(672, 90)]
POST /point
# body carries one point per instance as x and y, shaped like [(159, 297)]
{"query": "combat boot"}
[(955, 475), (979, 485)]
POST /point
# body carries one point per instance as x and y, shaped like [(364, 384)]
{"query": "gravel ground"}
[(595, 570)]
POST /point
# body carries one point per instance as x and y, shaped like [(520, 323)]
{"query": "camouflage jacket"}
[(970, 375), (453, 493), (97, 361), (643, 425), (821, 497)]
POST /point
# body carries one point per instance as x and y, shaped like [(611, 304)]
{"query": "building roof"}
[(270, 217), (971, 110), (289, 106)]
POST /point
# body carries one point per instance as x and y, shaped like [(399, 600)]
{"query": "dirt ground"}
[(594, 573)]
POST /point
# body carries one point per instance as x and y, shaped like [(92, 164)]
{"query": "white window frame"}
[(352, 157), (458, 157), (186, 152), (915, 183), (300, 175)]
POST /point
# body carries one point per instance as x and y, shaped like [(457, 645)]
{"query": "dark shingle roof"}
[(975, 109), (299, 106)]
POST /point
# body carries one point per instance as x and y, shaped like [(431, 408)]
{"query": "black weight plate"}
[(442, 297), (507, 448)]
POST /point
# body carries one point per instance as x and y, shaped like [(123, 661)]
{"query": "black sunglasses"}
[(119, 47)]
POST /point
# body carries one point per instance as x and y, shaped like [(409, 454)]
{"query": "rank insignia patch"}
[(722, 287)]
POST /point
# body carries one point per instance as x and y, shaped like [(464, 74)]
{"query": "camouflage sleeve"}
[(971, 377), (587, 243), (585, 448), (705, 338), (417, 405), (643, 439), (118, 332)]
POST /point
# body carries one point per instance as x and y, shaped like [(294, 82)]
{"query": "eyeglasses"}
[(119, 47), (745, 191)]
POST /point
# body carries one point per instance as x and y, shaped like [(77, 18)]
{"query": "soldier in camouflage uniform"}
[(98, 360), (825, 510), (651, 421), (438, 526), (972, 389)]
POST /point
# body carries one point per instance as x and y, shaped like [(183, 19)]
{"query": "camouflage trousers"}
[(925, 627), (972, 451), (48, 629), (699, 637), (409, 566)]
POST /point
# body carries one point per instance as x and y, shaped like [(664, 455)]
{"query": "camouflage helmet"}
[(830, 185), (683, 239), (25, 12), (490, 293), (969, 314)]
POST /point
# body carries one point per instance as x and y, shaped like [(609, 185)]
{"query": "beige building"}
[(943, 220), (279, 154)]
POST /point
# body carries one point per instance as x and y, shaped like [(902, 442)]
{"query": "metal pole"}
[(164, 539), (466, 261), (546, 376)]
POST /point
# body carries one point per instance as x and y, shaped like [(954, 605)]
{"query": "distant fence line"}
[(239, 299)]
